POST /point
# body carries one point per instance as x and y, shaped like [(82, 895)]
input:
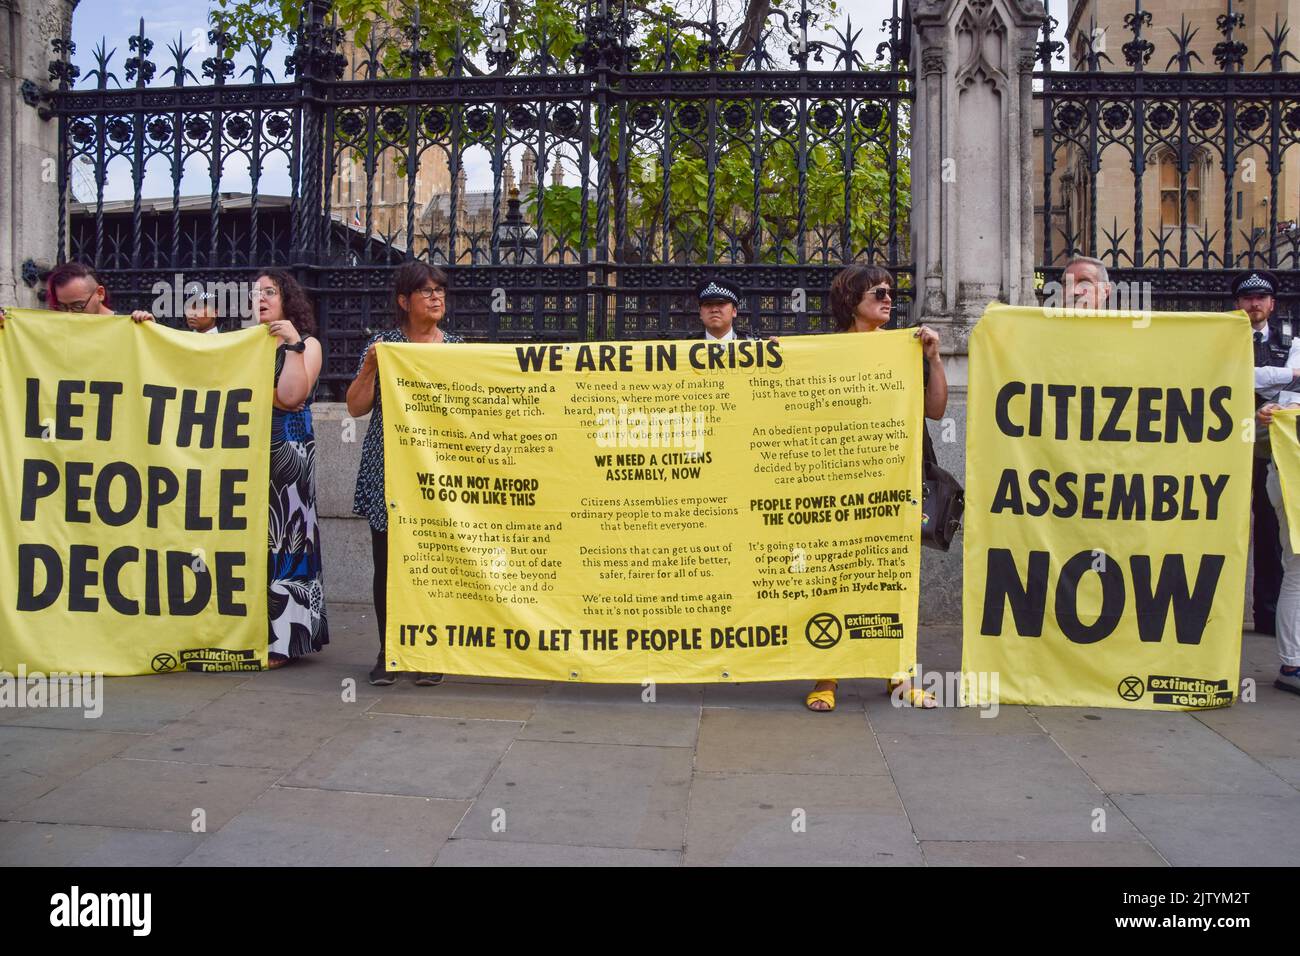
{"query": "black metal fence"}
[(691, 149), (1172, 171)]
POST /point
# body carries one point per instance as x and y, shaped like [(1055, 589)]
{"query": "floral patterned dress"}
[(296, 595)]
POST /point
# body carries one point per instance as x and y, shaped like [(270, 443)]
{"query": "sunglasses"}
[(882, 293)]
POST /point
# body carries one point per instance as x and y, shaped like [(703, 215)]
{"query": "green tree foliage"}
[(673, 37)]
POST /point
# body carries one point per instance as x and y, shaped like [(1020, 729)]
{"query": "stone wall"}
[(29, 195)]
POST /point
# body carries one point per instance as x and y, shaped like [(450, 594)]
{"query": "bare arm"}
[(361, 393), (936, 392)]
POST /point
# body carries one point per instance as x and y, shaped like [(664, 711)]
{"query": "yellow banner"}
[(1108, 464), (667, 511), (136, 460), (1284, 439)]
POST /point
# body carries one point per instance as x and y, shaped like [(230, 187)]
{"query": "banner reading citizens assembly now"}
[(134, 528), (1108, 464), (669, 511)]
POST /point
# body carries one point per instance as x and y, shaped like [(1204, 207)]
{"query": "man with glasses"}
[(73, 287)]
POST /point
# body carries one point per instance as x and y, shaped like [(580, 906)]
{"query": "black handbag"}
[(942, 499)]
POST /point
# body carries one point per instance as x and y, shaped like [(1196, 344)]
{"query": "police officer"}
[(1255, 292), (719, 304)]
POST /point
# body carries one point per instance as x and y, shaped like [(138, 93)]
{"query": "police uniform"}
[(1277, 352), (720, 290)]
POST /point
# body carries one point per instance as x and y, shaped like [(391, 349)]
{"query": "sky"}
[(114, 21)]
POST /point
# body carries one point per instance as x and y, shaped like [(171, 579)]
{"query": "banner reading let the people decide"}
[(667, 511), (136, 465), (1284, 439), (1108, 463)]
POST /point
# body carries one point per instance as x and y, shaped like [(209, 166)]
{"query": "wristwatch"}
[(299, 346)]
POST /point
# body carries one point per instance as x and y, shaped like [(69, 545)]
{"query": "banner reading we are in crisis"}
[(136, 464), (668, 511)]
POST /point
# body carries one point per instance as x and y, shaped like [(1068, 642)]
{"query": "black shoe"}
[(380, 675), (428, 680)]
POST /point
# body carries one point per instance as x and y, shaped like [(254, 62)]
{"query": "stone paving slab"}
[(232, 730), (296, 827), (1218, 829), (416, 756), (310, 765), (512, 702), (134, 705), (149, 795), (975, 853), (585, 794), (657, 724), (1011, 787), (35, 760), (797, 820), (1146, 752), (505, 853), (758, 741), (49, 844)]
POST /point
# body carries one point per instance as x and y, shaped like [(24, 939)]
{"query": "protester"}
[(861, 300), (1254, 292), (719, 302), (1086, 284), (295, 597), (201, 313), (74, 287), (420, 303), (1288, 601)]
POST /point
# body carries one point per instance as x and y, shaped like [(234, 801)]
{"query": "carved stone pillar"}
[(29, 192), (972, 207)]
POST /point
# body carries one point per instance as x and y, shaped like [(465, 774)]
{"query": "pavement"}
[(309, 765)]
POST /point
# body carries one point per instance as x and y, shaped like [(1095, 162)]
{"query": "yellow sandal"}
[(915, 696), (826, 697)]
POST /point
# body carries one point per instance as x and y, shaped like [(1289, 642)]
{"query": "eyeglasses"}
[(270, 292), (79, 306), (881, 293), (430, 294)]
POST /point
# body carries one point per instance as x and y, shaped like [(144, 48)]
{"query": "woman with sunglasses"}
[(420, 304), (296, 594), (862, 300)]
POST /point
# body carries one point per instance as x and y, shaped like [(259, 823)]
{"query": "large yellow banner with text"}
[(666, 511), (1284, 439), (136, 469), (1108, 464)]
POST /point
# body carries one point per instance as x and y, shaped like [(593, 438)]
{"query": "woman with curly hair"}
[(295, 596)]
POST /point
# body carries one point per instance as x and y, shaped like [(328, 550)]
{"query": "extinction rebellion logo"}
[(1178, 691), (209, 659), (823, 630)]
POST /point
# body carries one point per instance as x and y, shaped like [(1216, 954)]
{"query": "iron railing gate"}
[(1187, 115), (690, 152)]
